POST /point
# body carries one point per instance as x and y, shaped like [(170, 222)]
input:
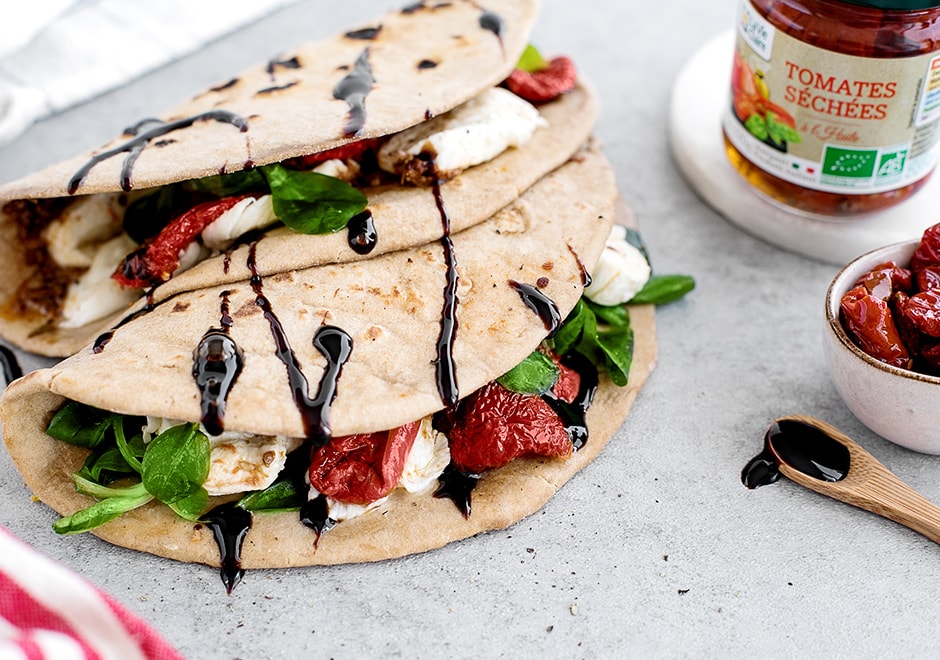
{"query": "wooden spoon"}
[(806, 450)]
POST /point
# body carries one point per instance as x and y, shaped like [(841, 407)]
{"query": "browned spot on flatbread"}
[(181, 306)]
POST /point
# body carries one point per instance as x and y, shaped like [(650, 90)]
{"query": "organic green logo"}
[(891, 163), (849, 163)]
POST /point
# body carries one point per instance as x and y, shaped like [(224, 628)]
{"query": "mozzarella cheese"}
[(238, 462), (473, 133), (95, 295), (621, 272), (249, 214), (73, 238)]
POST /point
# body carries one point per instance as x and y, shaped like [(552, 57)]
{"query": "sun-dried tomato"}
[(923, 310), (928, 252), (884, 279), (362, 468), (928, 278), (342, 152), (493, 426), (545, 84), (869, 322), (568, 383), (156, 260)]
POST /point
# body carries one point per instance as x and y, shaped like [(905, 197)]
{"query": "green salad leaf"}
[(282, 495), (534, 375), (531, 60), (171, 468), (81, 425), (176, 463), (310, 202), (608, 344), (662, 289)]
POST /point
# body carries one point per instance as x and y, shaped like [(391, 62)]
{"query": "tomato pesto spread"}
[(835, 104)]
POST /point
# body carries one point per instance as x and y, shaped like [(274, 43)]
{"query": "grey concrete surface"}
[(656, 549)]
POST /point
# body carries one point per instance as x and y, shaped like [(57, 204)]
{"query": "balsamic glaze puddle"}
[(361, 235), (230, 525), (539, 303), (217, 361), (444, 363), (335, 345), (353, 88), (803, 447), (11, 366), (136, 144)]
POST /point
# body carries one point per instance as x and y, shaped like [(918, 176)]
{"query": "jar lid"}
[(896, 5)]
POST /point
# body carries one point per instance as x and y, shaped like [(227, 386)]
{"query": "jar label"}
[(828, 121)]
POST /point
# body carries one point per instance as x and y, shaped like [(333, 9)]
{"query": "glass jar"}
[(835, 104)]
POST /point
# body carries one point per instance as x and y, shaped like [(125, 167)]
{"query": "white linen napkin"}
[(57, 53)]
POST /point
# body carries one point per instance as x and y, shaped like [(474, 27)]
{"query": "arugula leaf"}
[(310, 202), (282, 495), (531, 60), (662, 289), (176, 463), (82, 425), (534, 375), (99, 513)]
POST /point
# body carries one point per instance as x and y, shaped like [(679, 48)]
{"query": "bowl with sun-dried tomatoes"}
[(882, 340)]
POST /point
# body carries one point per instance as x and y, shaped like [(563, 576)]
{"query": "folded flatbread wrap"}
[(391, 308), (288, 108)]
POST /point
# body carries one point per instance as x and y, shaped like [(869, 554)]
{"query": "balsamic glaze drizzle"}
[(353, 88), (217, 361), (103, 339), (458, 487), (11, 366), (493, 22), (585, 275), (361, 234), (539, 303), (315, 514), (444, 363), (573, 414), (230, 525), (803, 447), (332, 342), (136, 144)]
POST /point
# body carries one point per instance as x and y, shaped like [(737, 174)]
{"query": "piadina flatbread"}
[(394, 310), (409, 67)]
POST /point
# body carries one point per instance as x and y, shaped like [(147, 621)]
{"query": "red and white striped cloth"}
[(47, 611)]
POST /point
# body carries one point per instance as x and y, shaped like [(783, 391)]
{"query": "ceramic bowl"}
[(899, 405)]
